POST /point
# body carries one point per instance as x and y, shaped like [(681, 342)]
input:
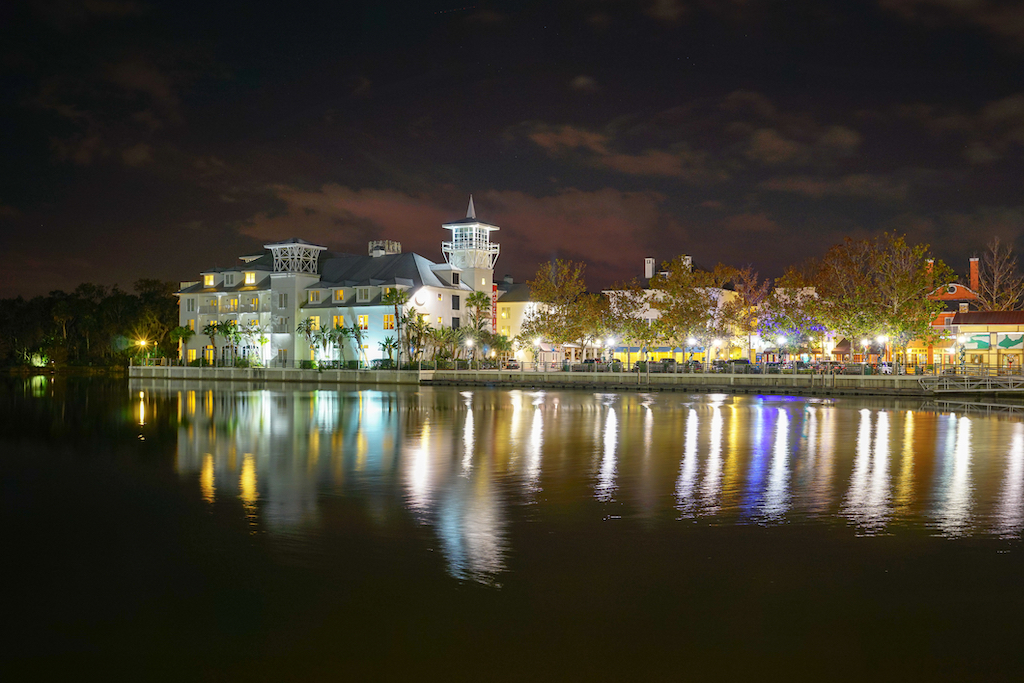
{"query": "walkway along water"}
[(804, 384)]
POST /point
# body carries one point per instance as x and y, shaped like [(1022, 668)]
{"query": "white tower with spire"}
[(471, 251)]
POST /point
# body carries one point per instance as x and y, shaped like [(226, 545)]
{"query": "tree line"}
[(857, 289), (92, 325)]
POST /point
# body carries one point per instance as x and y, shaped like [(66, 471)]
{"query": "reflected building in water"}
[(462, 467)]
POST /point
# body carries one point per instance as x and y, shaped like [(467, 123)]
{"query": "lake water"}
[(203, 532)]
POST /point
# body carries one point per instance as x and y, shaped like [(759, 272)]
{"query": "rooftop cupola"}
[(470, 246), (295, 256)]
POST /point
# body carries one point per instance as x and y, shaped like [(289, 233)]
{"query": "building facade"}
[(266, 297)]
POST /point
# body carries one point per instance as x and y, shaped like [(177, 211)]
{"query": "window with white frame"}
[(250, 278), (314, 296), (282, 300), (229, 279), (363, 294), (208, 280), (190, 305)]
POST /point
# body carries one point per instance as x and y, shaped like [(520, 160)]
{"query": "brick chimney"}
[(974, 273)]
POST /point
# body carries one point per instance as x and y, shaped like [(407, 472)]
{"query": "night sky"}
[(145, 139)]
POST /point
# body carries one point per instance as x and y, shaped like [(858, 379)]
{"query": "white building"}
[(270, 293)]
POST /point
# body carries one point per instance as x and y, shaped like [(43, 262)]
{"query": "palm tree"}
[(308, 328), (357, 334), (479, 306), (388, 346), (393, 296), (230, 331), (211, 330), (181, 336), (341, 336)]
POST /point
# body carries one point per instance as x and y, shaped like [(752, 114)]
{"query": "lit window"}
[(439, 296), (232, 305), (504, 312), (364, 322), (483, 281), (314, 296), (425, 318), (250, 278), (191, 355), (440, 321), (208, 281), (314, 322), (389, 322), (192, 324), (254, 302), (338, 321), (339, 294)]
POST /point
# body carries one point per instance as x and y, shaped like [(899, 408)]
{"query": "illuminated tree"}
[(479, 306), (212, 330), (690, 302), (627, 303), (557, 289), (742, 312)]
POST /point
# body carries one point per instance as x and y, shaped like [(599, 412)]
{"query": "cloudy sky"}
[(151, 139)]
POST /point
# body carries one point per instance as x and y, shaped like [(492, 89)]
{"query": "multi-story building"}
[(269, 294)]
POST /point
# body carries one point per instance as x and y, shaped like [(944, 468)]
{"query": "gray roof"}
[(514, 294), (409, 270), (348, 270)]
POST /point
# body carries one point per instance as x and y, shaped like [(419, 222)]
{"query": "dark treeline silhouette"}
[(93, 325)]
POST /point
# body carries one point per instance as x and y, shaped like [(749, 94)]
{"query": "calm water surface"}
[(203, 532)]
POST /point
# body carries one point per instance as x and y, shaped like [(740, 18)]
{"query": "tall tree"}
[(691, 302), (479, 306), (627, 303), (396, 298), (557, 289), (742, 311), (879, 286), (1000, 284)]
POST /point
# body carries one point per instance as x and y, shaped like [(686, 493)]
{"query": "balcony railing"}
[(210, 309)]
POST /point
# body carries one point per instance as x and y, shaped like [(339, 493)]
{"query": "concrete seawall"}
[(870, 385)]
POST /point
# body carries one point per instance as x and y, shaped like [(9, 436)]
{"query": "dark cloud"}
[(742, 131)]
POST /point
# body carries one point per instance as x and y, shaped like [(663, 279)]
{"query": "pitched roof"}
[(409, 269), (989, 318), (513, 294)]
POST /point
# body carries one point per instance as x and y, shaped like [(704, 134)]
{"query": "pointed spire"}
[(471, 212)]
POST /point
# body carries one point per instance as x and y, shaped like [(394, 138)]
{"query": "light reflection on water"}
[(464, 464)]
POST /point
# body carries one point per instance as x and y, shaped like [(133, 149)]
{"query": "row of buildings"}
[(268, 294)]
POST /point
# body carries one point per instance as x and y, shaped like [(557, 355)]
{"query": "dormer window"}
[(363, 294), (455, 278), (229, 279), (208, 281), (314, 296), (951, 289), (339, 295), (250, 278)]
